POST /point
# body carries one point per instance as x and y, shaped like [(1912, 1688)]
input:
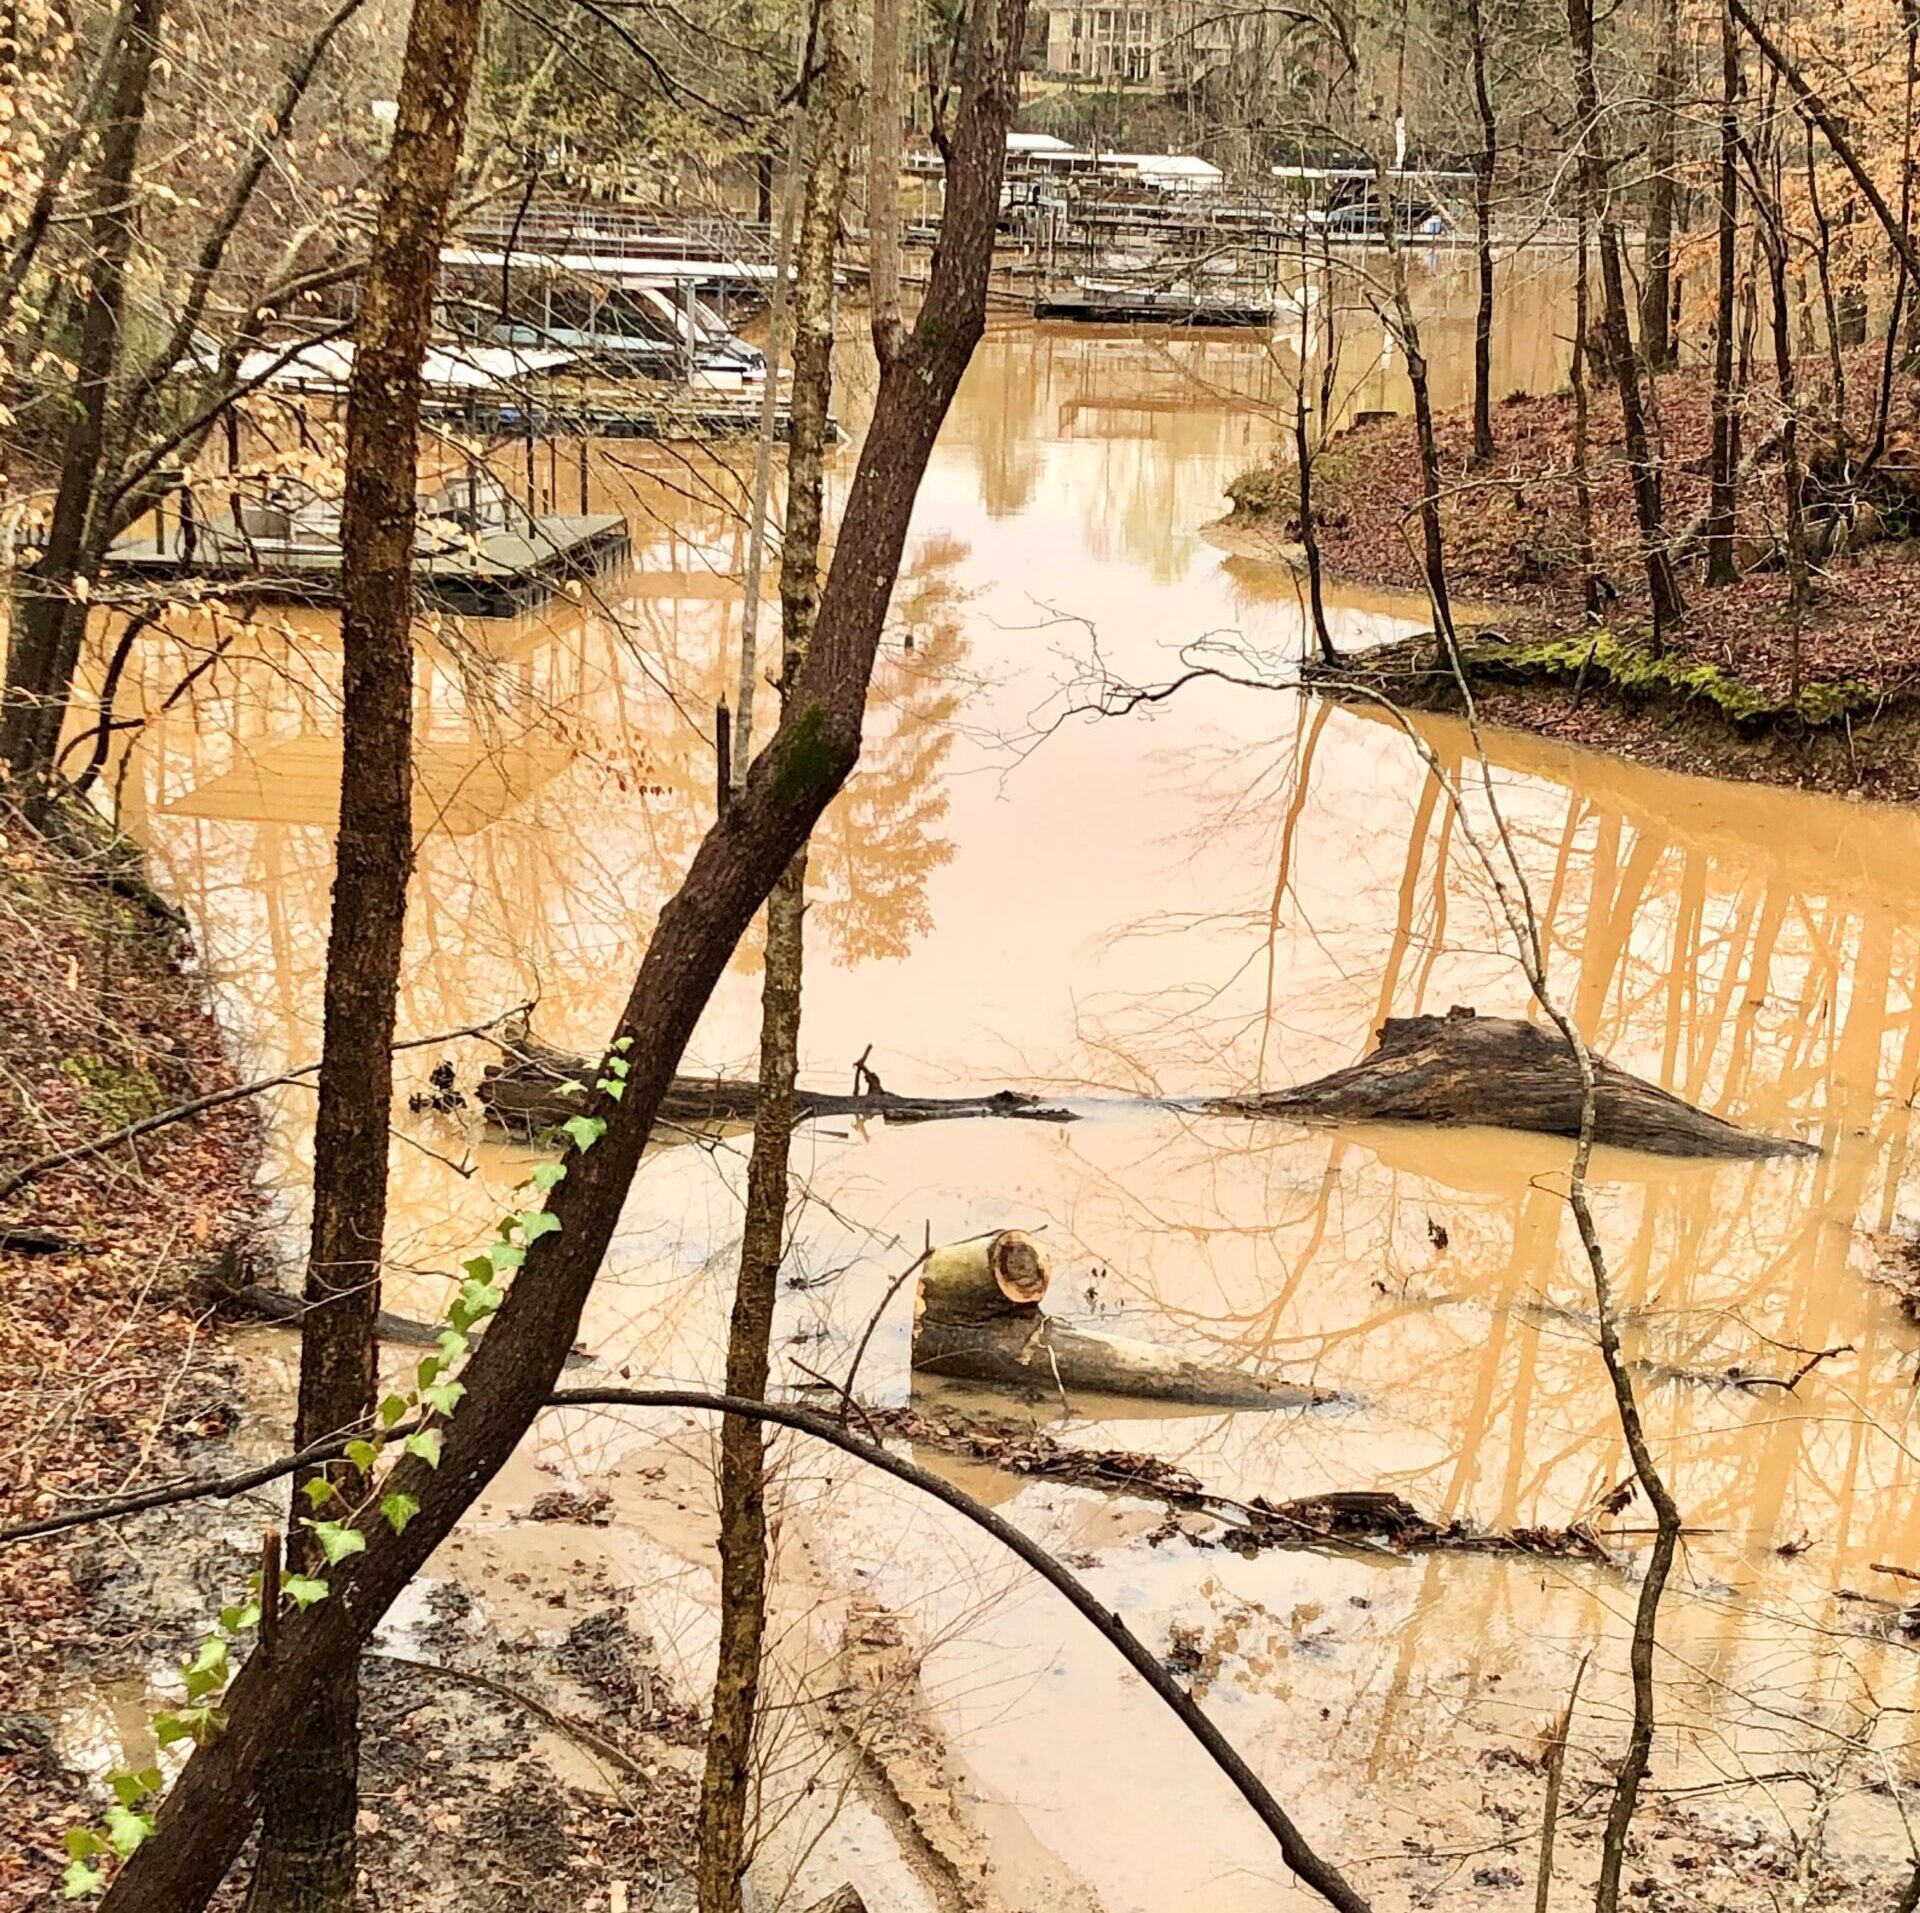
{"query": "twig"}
[(873, 1321), (574, 1730), (1556, 1768), (269, 1589)]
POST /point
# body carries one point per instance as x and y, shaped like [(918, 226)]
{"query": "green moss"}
[(1636, 671), (1622, 667), (116, 1093), (806, 753)]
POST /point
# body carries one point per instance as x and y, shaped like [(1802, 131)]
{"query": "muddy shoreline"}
[(1747, 687)]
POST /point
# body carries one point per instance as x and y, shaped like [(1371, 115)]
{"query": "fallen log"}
[(978, 1319), (529, 1092), (1462, 1069)]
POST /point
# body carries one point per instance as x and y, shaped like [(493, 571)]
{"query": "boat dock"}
[(490, 572)]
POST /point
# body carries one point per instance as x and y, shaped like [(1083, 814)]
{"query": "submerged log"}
[(978, 1319), (1462, 1069), (528, 1092)]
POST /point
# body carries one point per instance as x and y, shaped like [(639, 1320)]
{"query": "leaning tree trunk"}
[(1483, 239), (307, 1846), (204, 1819), (49, 618), (726, 1782)]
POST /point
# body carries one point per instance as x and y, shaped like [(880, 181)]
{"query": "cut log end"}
[(1020, 1266)]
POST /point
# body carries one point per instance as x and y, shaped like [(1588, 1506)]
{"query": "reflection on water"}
[(1230, 888)]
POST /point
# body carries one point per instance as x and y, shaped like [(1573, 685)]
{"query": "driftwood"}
[(528, 1093), (978, 1319), (1369, 1519), (1463, 1069)]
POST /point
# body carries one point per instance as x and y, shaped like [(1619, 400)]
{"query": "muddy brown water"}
[(1222, 891)]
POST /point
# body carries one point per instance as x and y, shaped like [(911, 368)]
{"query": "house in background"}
[(1161, 47)]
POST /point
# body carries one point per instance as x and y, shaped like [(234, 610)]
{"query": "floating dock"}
[(1125, 305), (492, 573), (642, 410)]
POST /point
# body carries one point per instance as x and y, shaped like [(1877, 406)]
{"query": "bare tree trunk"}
[(307, 1846), (1582, 413), (1483, 239), (1657, 343), (884, 135), (48, 619), (1904, 301), (1662, 588), (726, 1784), (205, 1816), (1773, 231), (1407, 326), (1304, 454), (1829, 307), (1726, 419)]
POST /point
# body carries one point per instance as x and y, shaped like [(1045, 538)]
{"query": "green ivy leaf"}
[(393, 1409), (80, 1881), (337, 1540), (477, 1268), (363, 1455), (126, 1829), (131, 1788), (505, 1255), (84, 1844), (570, 1087), (429, 1370), (585, 1131), (197, 1724), (618, 1066), (453, 1344), (534, 1223), (236, 1620), (443, 1395), (399, 1509), (611, 1086), (623, 1044), (319, 1491), (210, 1668), (303, 1590), (481, 1296), (546, 1174), (426, 1444)]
